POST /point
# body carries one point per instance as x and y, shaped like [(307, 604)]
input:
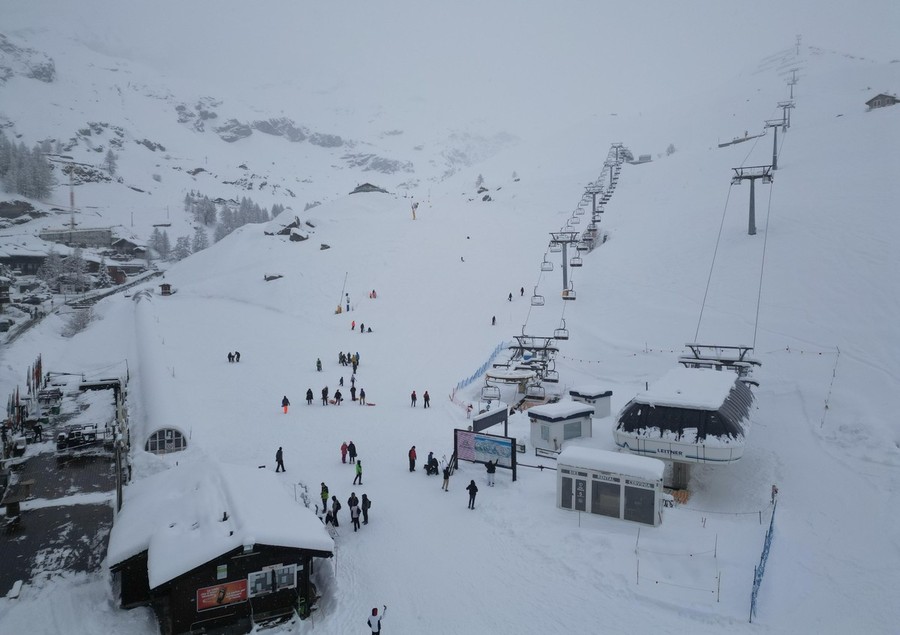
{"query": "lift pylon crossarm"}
[(763, 172)]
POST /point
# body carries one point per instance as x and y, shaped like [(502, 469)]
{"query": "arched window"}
[(166, 440)]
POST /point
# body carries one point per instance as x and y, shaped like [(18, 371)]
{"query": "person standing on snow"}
[(354, 517), (319, 365), (279, 462), (412, 459), (491, 468), (362, 397), (352, 393), (412, 398), (366, 504), (344, 448), (472, 489), (338, 397), (351, 448), (335, 508), (285, 402), (325, 396), (237, 356), (446, 478), (309, 396), (374, 621), (358, 476), (426, 400), (324, 495)]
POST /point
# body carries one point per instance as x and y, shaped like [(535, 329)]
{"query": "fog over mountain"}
[(239, 130)]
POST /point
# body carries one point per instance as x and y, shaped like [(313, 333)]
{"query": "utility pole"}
[(798, 44), (751, 174)]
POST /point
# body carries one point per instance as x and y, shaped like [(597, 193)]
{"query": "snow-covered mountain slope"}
[(814, 291)]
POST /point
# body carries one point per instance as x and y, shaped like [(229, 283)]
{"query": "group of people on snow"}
[(234, 357), (426, 399)]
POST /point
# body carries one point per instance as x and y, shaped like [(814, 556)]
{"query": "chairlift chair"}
[(551, 376), (546, 265), (562, 333), (555, 248), (583, 245), (579, 211), (575, 220), (535, 391), (490, 393), (537, 300), (568, 294), (575, 261)]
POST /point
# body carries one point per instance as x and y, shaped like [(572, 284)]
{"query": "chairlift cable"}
[(762, 264), (712, 264)]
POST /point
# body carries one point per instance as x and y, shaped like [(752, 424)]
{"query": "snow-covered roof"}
[(561, 410), (697, 388), (591, 391), (189, 514), (509, 374), (616, 462)]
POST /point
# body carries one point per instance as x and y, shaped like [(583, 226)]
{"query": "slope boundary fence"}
[(502, 346), (760, 570)]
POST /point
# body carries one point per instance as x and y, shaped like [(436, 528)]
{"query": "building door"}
[(565, 499)]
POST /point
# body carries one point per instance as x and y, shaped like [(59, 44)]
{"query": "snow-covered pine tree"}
[(182, 248), (75, 268), (104, 280), (155, 239), (110, 162), (51, 269), (165, 247), (201, 240)]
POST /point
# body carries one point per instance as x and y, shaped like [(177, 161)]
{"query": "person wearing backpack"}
[(366, 504), (335, 508)]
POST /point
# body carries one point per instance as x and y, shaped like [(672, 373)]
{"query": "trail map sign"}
[(479, 447)]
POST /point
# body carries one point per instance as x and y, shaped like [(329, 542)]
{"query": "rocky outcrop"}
[(376, 163), (233, 130), (25, 62), (282, 127)]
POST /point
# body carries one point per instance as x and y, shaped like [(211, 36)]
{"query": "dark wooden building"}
[(881, 100), (214, 547)]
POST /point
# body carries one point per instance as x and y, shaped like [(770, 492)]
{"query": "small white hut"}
[(554, 423), (594, 395)]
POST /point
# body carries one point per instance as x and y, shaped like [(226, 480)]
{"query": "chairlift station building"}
[(690, 415)]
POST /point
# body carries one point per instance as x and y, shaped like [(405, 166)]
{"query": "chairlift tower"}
[(775, 124), (786, 107), (593, 189), (793, 81), (751, 174), (564, 239)]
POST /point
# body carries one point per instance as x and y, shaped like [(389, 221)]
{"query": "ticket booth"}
[(611, 484)]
